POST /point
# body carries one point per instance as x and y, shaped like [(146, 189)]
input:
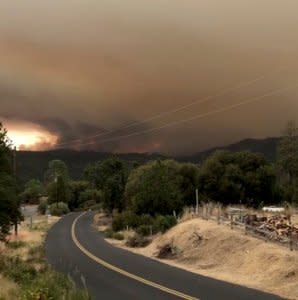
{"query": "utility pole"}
[(14, 166), (197, 201), (56, 183)]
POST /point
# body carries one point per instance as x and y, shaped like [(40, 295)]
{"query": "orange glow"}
[(31, 139), (30, 136)]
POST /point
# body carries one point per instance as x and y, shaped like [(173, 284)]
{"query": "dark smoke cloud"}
[(90, 69)]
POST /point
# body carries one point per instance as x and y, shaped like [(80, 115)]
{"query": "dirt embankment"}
[(217, 251)]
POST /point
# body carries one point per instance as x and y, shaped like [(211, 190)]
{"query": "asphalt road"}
[(85, 267)]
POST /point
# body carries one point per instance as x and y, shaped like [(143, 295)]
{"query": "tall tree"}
[(9, 203), (110, 177), (237, 177), (288, 160), (155, 188), (32, 192), (58, 182)]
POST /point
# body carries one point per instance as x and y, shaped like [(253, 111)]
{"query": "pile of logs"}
[(277, 227)]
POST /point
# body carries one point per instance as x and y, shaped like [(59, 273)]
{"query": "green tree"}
[(90, 197), (109, 176), (58, 191), (57, 168), (288, 161), (244, 177), (9, 203), (76, 189), (155, 188), (189, 182), (32, 192), (58, 182)]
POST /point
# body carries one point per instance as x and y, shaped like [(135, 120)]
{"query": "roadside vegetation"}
[(24, 272)]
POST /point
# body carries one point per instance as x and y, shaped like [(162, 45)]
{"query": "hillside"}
[(34, 164), (268, 147)]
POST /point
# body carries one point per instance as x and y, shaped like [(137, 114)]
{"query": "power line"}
[(200, 116), (175, 110)]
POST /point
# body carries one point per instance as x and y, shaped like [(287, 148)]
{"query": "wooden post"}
[(291, 239), (232, 221), (197, 201)]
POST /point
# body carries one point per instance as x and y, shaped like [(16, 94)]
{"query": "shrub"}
[(109, 233), (167, 251), (17, 270), (88, 204), (146, 220), (35, 254), (118, 236), (43, 206), (60, 209), (164, 223), (47, 285), (144, 230), (15, 244), (118, 223), (127, 218), (137, 241)]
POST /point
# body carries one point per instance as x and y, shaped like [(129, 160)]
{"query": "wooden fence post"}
[(291, 239), (232, 221)]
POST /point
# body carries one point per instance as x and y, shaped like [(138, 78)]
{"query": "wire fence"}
[(239, 219)]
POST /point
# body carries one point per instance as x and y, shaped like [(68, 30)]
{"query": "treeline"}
[(151, 194)]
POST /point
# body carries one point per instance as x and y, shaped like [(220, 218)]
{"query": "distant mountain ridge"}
[(34, 164), (267, 147)]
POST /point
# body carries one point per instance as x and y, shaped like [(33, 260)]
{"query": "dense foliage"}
[(288, 163), (9, 201), (242, 177)]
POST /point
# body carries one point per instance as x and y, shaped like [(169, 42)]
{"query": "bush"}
[(118, 236), (109, 233), (137, 241), (36, 254), (127, 218), (144, 230), (167, 251), (15, 244), (146, 220), (88, 204), (164, 223), (59, 210), (17, 270), (48, 285), (118, 223), (43, 206)]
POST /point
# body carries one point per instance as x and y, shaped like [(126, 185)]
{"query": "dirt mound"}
[(217, 251)]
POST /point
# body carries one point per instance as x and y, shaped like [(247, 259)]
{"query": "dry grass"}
[(102, 222), (219, 252), (8, 289), (31, 238)]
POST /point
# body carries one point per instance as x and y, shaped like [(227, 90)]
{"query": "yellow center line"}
[(123, 272)]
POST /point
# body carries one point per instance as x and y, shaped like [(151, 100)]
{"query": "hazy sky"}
[(73, 69)]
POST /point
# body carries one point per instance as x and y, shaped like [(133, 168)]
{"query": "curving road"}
[(75, 248)]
